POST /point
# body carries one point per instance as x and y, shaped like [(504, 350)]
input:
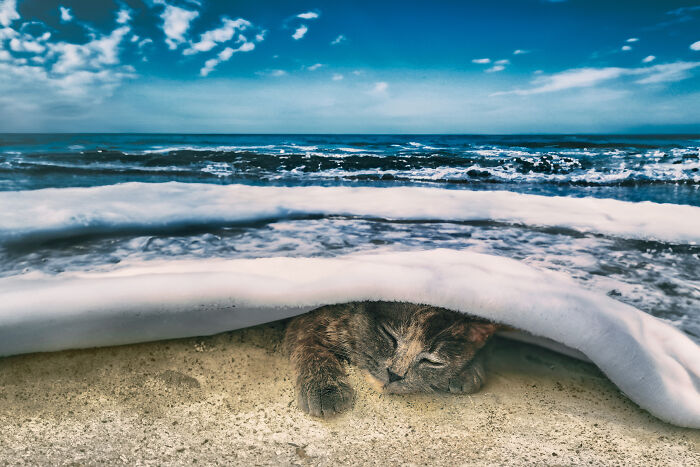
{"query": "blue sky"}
[(499, 66)]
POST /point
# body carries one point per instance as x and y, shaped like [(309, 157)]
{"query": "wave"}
[(62, 212), (415, 164), (650, 361)]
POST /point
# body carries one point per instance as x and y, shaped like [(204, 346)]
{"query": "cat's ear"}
[(479, 333)]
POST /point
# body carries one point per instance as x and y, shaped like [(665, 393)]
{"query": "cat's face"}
[(417, 348)]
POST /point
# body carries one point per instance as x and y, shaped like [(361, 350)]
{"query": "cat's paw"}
[(325, 400), (470, 380)]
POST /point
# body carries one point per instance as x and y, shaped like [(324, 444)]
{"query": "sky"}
[(256, 66)]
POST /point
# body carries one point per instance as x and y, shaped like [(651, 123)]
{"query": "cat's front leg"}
[(470, 379), (322, 386)]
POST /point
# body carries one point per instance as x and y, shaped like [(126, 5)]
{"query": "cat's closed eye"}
[(432, 362), (388, 335)]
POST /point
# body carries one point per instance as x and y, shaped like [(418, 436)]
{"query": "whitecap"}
[(60, 212)]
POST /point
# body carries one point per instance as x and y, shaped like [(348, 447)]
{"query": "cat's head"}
[(414, 348)]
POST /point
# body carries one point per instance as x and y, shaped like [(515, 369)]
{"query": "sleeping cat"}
[(406, 347)]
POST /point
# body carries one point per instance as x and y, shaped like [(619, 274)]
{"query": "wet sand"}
[(228, 399)]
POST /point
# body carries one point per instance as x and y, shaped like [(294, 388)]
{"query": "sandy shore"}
[(228, 399)]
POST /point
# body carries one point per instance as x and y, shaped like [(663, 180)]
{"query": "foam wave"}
[(654, 364), (57, 213)]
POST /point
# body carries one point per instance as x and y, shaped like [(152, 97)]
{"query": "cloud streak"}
[(225, 55), (308, 15), (589, 77), (211, 39)]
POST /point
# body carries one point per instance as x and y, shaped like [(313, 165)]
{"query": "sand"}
[(228, 399)]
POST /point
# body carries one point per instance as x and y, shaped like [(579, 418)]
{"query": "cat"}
[(405, 347)]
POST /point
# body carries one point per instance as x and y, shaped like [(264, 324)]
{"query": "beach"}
[(229, 399), (131, 239)]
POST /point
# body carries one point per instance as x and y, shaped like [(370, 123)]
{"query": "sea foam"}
[(62, 212), (654, 364)]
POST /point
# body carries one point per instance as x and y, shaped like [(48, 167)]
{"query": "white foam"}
[(654, 364), (353, 150), (59, 212)]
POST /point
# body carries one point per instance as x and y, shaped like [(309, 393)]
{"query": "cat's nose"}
[(393, 376)]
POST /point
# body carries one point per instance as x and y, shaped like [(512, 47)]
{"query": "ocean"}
[(612, 212)]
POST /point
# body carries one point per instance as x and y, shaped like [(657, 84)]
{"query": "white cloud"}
[(520, 52), (337, 77), (246, 47), (8, 12), (8, 33), (495, 68), (66, 14), (65, 75), (308, 15), (380, 87), (695, 46), (668, 72), (271, 72), (84, 87), (338, 40), (176, 22), (209, 66), (626, 48), (576, 78), (648, 59), (481, 61), (300, 32), (314, 67), (94, 55), (275, 73), (211, 39), (502, 62), (225, 55), (29, 46), (589, 77), (72, 77), (632, 39), (123, 16)]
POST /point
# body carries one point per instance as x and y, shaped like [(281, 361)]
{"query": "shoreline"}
[(229, 398)]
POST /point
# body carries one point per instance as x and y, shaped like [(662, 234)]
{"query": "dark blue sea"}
[(656, 275), (659, 168)]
